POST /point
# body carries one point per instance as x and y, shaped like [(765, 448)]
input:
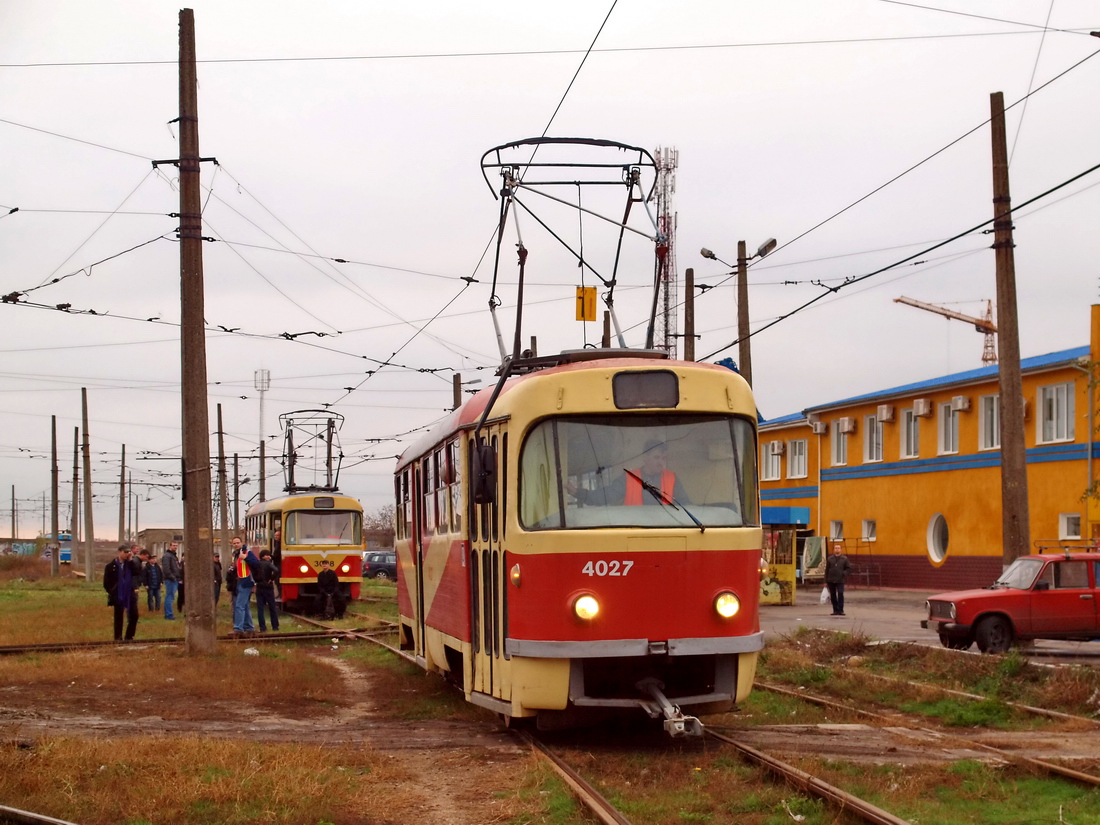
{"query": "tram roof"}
[(470, 412)]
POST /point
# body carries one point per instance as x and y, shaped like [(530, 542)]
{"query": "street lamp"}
[(744, 355)]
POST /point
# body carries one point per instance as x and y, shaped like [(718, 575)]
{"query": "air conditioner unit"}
[(960, 403), (819, 428), (846, 425), (922, 407), (776, 447), (885, 412)]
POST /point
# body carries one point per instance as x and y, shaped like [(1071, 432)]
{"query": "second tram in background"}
[(315, 522), (546, 575)]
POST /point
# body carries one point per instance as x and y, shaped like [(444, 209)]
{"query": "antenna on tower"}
[(667, 160)]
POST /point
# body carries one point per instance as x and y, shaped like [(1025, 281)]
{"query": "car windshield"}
[(1020, 575), (654, 471)]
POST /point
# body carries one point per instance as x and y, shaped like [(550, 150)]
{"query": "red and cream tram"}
[(314, 527), (592, 547)]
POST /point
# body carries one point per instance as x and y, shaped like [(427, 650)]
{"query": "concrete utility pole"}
[(689, 314), (1015, 511), (122, 499), (236, 494), (55, 556), (744, 352), (75, 530), (13, 528), (197, 514), (223, 497), (263, 471), (89, 528)]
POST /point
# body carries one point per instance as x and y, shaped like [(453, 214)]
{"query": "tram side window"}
[(398, 507), (454, 458), (442, 519), (496, 509), (472, 515), (427, 481)]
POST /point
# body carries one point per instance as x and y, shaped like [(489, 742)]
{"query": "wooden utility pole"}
[(55, 556), (744, 353), (689, 314), (456, 391), (75, 529), (605, 340), (1015, 512), (122, 499), (223, 497), (89, 527), (197, 513)]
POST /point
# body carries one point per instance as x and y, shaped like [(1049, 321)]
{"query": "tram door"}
[(488, 578), (418, 538)]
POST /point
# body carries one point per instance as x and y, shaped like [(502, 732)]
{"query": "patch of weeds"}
[(212, 773), (963, 713)]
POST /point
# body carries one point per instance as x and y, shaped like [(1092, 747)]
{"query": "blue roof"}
[(1038, 362)]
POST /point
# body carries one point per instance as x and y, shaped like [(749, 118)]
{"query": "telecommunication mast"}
[(667, 161)]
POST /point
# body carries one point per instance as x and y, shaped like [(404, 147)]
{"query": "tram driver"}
[(650, 483)]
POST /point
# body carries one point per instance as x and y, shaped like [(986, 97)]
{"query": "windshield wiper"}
[(667, 500)]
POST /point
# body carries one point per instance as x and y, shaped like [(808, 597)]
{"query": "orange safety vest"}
[(242, 565), (634, 487)]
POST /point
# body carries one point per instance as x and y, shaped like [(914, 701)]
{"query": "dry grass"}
[(149, 779), (173, 685)]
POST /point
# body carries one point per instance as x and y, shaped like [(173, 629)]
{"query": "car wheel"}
[(993, 635), (381, 574), (954, 643)]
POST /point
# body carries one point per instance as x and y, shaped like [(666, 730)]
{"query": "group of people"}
[(135, 568)]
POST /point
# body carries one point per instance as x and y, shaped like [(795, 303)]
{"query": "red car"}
[(1037, 597)]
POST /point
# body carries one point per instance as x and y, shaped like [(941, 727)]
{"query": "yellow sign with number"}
[(586, 303)]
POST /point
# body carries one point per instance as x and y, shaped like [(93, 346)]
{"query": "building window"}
[(949, 429), (771, 463), (796, 459), (989, 422), (1069, 526), (836, 530), (937, 538), (1056, 413), (910, 434), (869, 529), (872, 439), (839, 443)]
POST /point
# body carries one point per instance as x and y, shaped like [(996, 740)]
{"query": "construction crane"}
[(984, 325)]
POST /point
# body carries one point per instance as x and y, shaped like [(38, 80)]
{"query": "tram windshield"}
[(655, 471), (323, 527)]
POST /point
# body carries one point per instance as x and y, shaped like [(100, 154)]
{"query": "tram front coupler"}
[(676, 724)]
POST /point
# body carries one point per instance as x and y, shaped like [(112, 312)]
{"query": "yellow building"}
[(910, 477)]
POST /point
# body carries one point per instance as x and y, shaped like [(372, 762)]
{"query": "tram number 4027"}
[(606, 568)]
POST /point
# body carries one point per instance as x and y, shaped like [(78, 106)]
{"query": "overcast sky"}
[(354, 130)]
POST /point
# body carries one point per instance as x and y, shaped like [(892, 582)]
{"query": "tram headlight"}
[(304, 568), (586, 608), (345, 568), (513, 574), (727, 604)]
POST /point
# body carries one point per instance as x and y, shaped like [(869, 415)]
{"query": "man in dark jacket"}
[(151, 577), (330, 601), (121, 579), (217, 577), (170, 565), (837, 568), (265, 576)]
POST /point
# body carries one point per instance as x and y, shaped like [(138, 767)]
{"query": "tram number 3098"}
[(607, 568)]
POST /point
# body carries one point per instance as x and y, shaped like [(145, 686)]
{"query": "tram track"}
[(15, 816), (61, 647), (899, 720)]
